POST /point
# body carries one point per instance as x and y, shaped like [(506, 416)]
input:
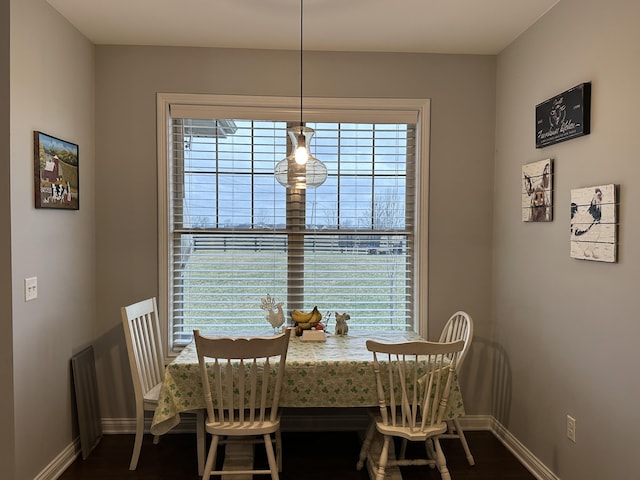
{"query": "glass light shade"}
[(300, 139), (291, 173)]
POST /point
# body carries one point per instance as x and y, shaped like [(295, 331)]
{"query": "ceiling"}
[(419, 26)]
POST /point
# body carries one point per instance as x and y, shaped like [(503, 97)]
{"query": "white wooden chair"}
[(242, 380), (459, 327), (146, 359), (413, 380)]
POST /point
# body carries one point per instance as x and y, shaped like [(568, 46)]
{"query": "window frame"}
[(321, 109)]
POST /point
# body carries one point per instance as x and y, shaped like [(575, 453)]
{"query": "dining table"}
[(337, 372)]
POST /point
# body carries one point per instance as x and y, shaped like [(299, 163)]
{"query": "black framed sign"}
[(564, 116)]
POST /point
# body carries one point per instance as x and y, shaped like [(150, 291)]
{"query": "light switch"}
[(30, 288)]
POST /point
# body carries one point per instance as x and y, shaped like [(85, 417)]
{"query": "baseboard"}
[(293, 420), (59, 464), (117, 426), (476, 422), (526, 458), (346, 420)]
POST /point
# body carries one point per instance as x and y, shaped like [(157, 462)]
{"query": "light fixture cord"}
[(301, 69)]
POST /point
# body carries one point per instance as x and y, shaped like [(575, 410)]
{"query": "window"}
[(229, 233)]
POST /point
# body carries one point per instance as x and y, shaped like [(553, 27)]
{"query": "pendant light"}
[(300, 169)]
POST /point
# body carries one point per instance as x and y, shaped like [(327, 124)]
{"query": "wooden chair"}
[(146, 359), (242, 380), (459, 327), (413, 380)]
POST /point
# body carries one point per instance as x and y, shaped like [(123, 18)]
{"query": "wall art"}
[(537, 191), (564, 116), (57, 183), (593, 223)]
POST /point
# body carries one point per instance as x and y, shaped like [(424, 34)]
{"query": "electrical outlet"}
[(571, 428), (30, 288)]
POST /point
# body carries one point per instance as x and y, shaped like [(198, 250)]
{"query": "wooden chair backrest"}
[(144, 345), (459, 327), (413, 380), (242, 377)]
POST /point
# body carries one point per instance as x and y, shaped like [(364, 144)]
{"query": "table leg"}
[(238, 455)]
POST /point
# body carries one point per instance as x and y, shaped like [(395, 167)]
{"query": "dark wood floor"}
[(307, 456)]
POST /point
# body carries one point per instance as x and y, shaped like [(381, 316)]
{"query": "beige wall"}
[(539, 325), (568, 329), (7, 447), (51, 90), (462, 91)]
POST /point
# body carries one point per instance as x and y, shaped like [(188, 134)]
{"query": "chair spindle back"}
[(142, 334), (459, 327), (413, 380), (241, 377)]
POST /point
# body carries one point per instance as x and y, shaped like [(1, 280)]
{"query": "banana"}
[(306, 318), (301, 317), (317, 316)]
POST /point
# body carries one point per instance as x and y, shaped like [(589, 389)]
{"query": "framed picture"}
[(57, 184), (593, 223), (564, 116), (537, 190)]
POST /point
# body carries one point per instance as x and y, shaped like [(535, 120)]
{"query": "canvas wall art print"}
[(593, 223), (537, 179), (57, 184)]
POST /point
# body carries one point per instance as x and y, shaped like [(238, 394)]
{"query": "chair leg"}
[(273, 464), (384, 456), (366, 445), (441, 460), (463, 440), (156, 439), (200, 440), (451, 429), (403, 449), (137, 444), (431, 452), (211, 458), (279, 450)]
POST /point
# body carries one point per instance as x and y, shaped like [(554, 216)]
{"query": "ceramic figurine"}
[(275, 315), (341, 323)]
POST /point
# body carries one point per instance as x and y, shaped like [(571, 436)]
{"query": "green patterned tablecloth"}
[(335, 373)]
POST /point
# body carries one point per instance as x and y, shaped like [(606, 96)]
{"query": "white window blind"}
[(235, 234)]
